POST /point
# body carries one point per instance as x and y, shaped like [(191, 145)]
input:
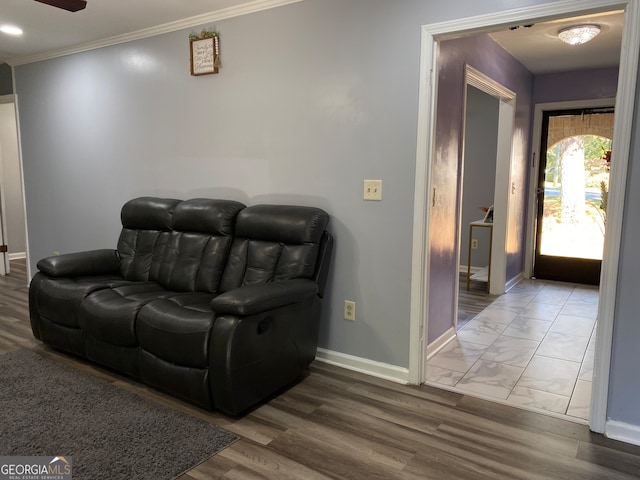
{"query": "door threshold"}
[(528, 408)]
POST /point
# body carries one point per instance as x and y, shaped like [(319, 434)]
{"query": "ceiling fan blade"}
[(70, 5)]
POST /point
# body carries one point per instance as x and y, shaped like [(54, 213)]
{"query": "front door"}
[(573, 184)]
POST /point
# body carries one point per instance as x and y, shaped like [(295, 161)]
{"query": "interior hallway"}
[(531, 347)]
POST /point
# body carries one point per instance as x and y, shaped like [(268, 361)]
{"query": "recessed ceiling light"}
[(578, 34), (10, 29)]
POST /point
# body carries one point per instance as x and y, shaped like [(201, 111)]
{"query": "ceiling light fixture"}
[(578, 34), (10, 30)]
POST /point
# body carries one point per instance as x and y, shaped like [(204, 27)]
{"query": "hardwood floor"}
[(471, 302), (338, 424)]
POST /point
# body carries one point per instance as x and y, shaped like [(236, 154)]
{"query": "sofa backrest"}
[(274, 243), (146, 223), (198, 245), (182, 245)]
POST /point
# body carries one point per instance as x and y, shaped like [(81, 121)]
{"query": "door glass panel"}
[(576, 184)]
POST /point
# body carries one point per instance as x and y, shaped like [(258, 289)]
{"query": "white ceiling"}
[(49, 30), (540, 50)]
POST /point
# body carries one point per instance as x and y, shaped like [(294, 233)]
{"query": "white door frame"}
[(506, 120), (625, 98), (13, 98), (4, 256), (5, 266), (540, 108)]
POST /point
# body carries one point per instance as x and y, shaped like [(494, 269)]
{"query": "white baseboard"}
[(364, 365), (437, 345), (624, 432), (513, 282), (17, 255)]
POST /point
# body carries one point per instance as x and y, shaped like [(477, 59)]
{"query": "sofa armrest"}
[(93, 262), (252, 299)]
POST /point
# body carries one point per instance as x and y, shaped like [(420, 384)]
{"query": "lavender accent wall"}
[(576, 85), (482, 53)]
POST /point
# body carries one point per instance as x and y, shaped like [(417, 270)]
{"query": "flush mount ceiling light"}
[(10, 30), (578, 34)]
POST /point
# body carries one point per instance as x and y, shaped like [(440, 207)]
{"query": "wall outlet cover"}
[(372, 190), (349, 310)]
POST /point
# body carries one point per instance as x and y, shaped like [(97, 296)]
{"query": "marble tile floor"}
[(531, 347)]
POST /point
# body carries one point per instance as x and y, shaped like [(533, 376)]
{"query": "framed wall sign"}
[(205, 58)]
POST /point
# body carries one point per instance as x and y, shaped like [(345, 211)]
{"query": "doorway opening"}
[(12, 205), (573, 186), (489, 110), (424, 252)]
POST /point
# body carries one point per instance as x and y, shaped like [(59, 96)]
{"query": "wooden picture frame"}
[(205, 58)]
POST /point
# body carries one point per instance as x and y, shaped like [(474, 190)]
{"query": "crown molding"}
[(223, 14)]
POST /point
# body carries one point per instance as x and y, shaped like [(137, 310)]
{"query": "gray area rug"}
[(47, 408)]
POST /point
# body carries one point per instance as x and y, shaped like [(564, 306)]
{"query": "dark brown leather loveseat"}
[(211, 301)]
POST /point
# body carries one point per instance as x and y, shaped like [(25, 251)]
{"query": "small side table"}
[(483, 275)]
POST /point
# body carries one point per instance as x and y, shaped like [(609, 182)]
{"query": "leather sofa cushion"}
[(122, 358), (253, 262), (148, 213), (66, 338), (204, 215), (193, 262), (81, 264), (146, 222), (110, 314), (190, 384), (139, 251), (181, 245), (198, 301), (177, 333), (273, 243), (196, 250), (58, 299), (290, 224)]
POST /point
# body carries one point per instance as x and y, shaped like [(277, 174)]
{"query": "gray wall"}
[(12, 181), (312, 98)]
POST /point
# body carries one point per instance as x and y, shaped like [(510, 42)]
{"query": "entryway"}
[(12, 209), (484, 197), (573, 185), (532, 347), (423, 252)]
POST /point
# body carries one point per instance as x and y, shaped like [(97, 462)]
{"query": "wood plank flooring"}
[(338, 424), (471, 302)]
